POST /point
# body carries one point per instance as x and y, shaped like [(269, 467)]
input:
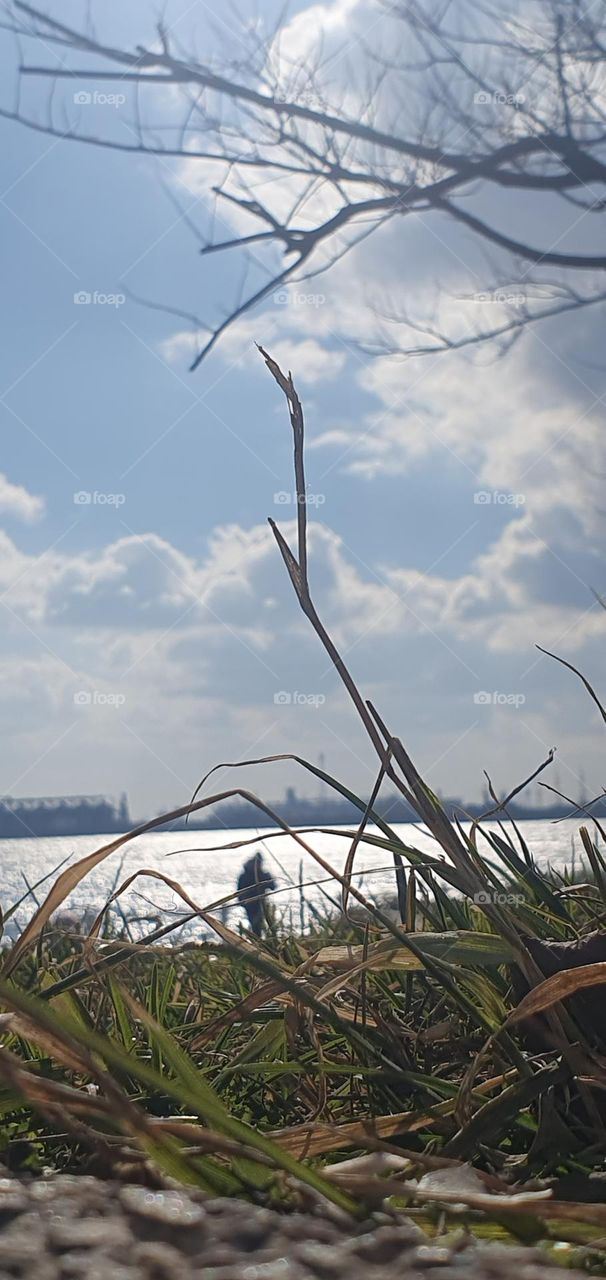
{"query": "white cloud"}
[(180, 347), (313, 363), (138, 581), (17, 501), (278, 331), (198, 648)]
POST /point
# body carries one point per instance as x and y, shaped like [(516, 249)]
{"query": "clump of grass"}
[(372, 1056)]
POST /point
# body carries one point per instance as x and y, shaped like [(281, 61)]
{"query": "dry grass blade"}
[(210, 1141), (497, 1113), (316, 1138), (349, 864), (297, 569), (464, 1185), (501, 805), (559, 987), (71, 878), (197, 1092), (592, 694), (596, 862), (456, 946), (224, 932), (239, 1013), (286, 384)]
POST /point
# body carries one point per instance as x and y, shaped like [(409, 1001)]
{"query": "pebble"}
[(11, 1203), (72, 1228), (386, 1244), (432, 1256), (171, 1208), (65, 1233), (299, 1226), (160, 1261), (326, 1263)]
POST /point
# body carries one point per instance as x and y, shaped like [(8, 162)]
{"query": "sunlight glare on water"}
[(209, 874)]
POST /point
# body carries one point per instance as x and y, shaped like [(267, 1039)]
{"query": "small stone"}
[(102, 1269), (160, 1261), (220, 1208), (23, 1256), (27, 1233), (77, 1263), (217, 1256), (250, 1235), (298, 1226), (43, 1191), (12, 1200), (170, 1208), (385, 1245), (325, 1262), (85, 1233), (278, 1269), (428, 1255)]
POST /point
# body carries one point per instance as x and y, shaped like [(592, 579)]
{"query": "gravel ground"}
[(65, 1228)]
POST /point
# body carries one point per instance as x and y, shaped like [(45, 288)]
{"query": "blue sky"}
[(163, 599)]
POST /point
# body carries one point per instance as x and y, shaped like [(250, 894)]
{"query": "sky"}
[(456, 510)]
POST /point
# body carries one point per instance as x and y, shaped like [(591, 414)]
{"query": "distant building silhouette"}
[(96, 815), (331, 810), (62, 816)]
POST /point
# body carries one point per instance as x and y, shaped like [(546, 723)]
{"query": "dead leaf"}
[(559, 987)]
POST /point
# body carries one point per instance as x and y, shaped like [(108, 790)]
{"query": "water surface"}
[(209, 874)]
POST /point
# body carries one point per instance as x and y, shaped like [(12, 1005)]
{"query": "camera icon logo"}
[(482, 898), (83, 299), (83, 499), (83, 698), (282, 699), (282, 498), (482, 99), (482, 498), (482, 699), (83, 99), (281, 298)]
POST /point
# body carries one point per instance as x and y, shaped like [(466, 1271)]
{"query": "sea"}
[(206, 865)]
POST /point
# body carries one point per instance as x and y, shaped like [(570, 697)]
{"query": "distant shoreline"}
[(306, 814)]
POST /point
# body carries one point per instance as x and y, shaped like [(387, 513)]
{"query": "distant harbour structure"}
[(36, 816), (40, 816), (331, 809)]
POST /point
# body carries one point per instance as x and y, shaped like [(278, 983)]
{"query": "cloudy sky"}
[(147, 621)]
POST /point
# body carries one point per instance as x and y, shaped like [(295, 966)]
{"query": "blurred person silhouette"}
[(254, 883)]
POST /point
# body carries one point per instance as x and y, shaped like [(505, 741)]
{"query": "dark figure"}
[(254, 883)]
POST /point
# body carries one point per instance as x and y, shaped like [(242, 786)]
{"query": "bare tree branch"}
[(492, 101)]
